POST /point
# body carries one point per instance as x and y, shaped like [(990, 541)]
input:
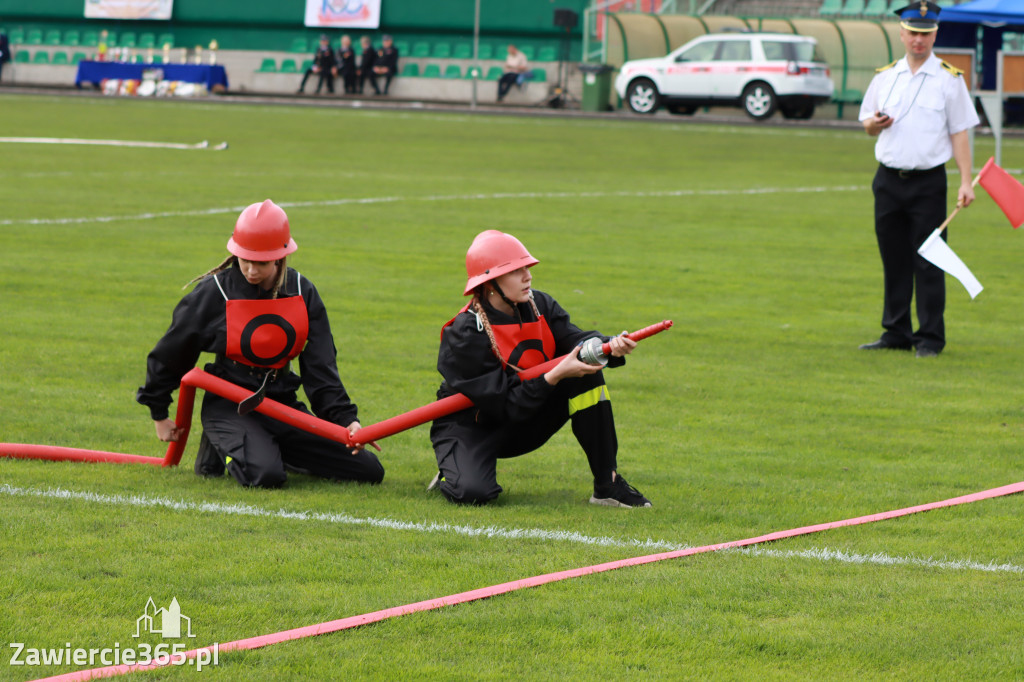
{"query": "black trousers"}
[(256, 448), (467, 452), (907, 210), (368, 75), (325, 77), (505, 83)]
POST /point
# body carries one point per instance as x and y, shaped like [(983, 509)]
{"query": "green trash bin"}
[(597, 86)]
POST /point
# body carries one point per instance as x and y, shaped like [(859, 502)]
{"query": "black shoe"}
[(885, 345), (208, 461), (618, 493), (927, 353)]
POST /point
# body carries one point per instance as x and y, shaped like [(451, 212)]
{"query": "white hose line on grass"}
[(825, 554), (442, 197), (114, 143)]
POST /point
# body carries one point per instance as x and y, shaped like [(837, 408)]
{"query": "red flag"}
[(1005, 190)]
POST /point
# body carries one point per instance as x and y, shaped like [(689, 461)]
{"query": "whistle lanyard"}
[(893, 87)]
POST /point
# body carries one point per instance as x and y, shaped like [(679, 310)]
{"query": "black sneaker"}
[(618, 493), (208, 461)]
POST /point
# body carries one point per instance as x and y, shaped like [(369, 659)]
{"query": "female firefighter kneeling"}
[(508, 326), (258, 315)]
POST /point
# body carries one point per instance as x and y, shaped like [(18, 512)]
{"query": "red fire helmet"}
[(262, 233), (491, 255)]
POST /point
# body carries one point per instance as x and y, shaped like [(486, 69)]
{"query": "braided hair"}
[(232, 262), (476, 305)]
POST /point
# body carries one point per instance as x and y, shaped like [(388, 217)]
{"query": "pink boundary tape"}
[(494, 590)]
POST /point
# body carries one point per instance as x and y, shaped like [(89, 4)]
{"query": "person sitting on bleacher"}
[(5, 51), (323, 65), (517, 72), (347, 65), (385, 65), (366, 60)]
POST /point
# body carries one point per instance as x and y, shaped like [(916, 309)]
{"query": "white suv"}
[(761, 72)]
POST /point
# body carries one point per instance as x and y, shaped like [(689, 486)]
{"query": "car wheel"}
[(759, 101), (642, 96), (681, 109)]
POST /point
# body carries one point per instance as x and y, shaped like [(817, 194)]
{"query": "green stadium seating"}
[(876, 8), (441, 51), (127, 39), (420, 50), (432, 71), (852, 8), (548, 54), (147, 41), (90, 38), (463, 51), (288, 66), (830, 7), (77, 57), (72, 38), (268, 65), (540, 75), (158, 59), (51, 38), (111, 39), (306, 65), (16, 36), (453, 71), (299, 45), (411, 70), (165, 39), (60, 58), (494, 73), (470, 71), (486, 51), (528, 51), (403, 48), (138, 59), (34, 37), (41, 57), (21, 57)]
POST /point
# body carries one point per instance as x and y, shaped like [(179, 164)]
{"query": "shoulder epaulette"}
[(887, 66), (952, 69)]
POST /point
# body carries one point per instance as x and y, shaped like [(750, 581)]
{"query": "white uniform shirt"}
[(926, 107)]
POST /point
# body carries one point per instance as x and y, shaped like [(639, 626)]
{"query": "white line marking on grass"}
[(113, 143), (444, 197), (824, 554)]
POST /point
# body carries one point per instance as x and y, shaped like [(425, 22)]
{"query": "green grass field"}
[(755, 413)]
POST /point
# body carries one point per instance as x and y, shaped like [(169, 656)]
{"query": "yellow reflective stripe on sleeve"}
[(227, 460), (588, 399)]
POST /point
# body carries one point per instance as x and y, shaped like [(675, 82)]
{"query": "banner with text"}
[(128, 9), (343, 13)]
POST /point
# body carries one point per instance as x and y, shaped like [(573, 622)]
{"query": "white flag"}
[(937, 251)]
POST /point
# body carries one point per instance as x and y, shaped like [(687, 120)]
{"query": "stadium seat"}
[(830, 7), (494, 73), (77, 57), (41, 57), (432, 71), (403, 48), (72, 38), (138, 58), (441, 51), (411, 70), (165, 39), (299, 45), (420, 50), (127, 39), (90, 39), (288, 66), (305, 65), (52, 38), (34, 37), (453, 71), (852, 8), (147, 40), (16, 36), (876, 8), (158, 59), (60, 58), (470, 70), (463, 51), (529, 51), (21, 57), (268, 65), (548, 54), (486, 51), (540, 75)]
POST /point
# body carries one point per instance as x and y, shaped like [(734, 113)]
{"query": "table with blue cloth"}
[(95, 72)]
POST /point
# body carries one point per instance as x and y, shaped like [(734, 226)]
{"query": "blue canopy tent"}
[(984, 22)]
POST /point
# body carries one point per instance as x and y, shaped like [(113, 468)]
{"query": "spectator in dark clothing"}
[(5, 51), (366, 62), (386, 63), (347, 65), (323, 65)]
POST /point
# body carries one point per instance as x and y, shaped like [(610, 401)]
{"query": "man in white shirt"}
[(919, 109), (515, 69)]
